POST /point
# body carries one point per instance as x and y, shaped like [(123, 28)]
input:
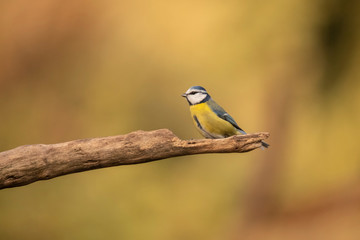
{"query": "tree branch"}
[(30, 163)]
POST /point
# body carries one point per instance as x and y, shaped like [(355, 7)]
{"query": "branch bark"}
[(30, 163)]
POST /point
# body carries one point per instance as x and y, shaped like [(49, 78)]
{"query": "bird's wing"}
[(220, 112)]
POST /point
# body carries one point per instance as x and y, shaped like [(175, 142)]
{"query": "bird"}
[(211, 119)]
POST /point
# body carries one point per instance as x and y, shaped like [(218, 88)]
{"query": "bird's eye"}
[(192, 93)]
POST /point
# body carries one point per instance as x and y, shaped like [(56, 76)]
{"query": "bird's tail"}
[(264, 145)]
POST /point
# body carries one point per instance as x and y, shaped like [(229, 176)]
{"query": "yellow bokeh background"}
[(82, 69)]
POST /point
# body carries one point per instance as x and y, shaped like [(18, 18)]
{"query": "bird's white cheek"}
[(196, 98)]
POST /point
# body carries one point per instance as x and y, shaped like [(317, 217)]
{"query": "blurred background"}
[(81, 69)]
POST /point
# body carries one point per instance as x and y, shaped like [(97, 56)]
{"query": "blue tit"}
[(209, 118)]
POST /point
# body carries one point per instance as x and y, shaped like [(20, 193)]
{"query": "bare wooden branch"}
[(30, 163)]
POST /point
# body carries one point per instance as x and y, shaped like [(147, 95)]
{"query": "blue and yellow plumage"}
[(209, 118)]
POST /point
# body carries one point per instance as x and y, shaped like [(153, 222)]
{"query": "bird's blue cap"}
[(198, 88)]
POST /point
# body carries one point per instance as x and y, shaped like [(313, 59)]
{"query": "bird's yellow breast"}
[(210, 122)]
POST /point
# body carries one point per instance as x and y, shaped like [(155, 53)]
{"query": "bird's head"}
[(196, 95)]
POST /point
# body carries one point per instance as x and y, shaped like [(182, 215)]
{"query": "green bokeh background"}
[(80, 69)]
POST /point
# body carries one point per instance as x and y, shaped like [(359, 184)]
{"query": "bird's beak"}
[(183, 95)]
